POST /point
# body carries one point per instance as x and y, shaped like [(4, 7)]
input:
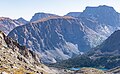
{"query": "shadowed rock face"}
[(57, 38), (111, 44)]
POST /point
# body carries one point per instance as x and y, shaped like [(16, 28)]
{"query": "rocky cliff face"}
[(57, 38), (7, 24), (15, 58)]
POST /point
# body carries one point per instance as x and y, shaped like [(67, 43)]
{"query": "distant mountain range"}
[(62, 37), (7, 24)]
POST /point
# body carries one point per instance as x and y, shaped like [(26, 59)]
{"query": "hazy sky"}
[(27, 8)]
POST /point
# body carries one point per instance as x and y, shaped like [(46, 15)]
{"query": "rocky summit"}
[(17, 59), (22, 21), (41, 15)]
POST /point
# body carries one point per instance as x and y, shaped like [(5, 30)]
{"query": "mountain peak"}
[(105, 6), (22, 20), (53, 17), (100, 8), (74, 14), (41, 15), (4, 18), (103, 14)]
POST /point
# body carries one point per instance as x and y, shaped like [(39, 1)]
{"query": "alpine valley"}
[(62, 37), (77, 39)]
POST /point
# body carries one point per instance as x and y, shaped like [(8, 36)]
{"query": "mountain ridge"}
[(7, 24), (41, 15), (59, 35), (15, 58), (22, 20)]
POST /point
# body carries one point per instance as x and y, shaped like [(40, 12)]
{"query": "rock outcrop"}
[(17, 59)]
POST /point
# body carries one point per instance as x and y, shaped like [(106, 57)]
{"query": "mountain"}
[(103, 14), (74, 14), (7, 24), (22, 20), (41, 15), (102, 19), (105, 55), (48, 34), (108, 53), (57, 38), (17, 59), (110, 45), (106, 18)]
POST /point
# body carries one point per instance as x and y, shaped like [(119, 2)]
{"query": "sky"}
[(27, 8)]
